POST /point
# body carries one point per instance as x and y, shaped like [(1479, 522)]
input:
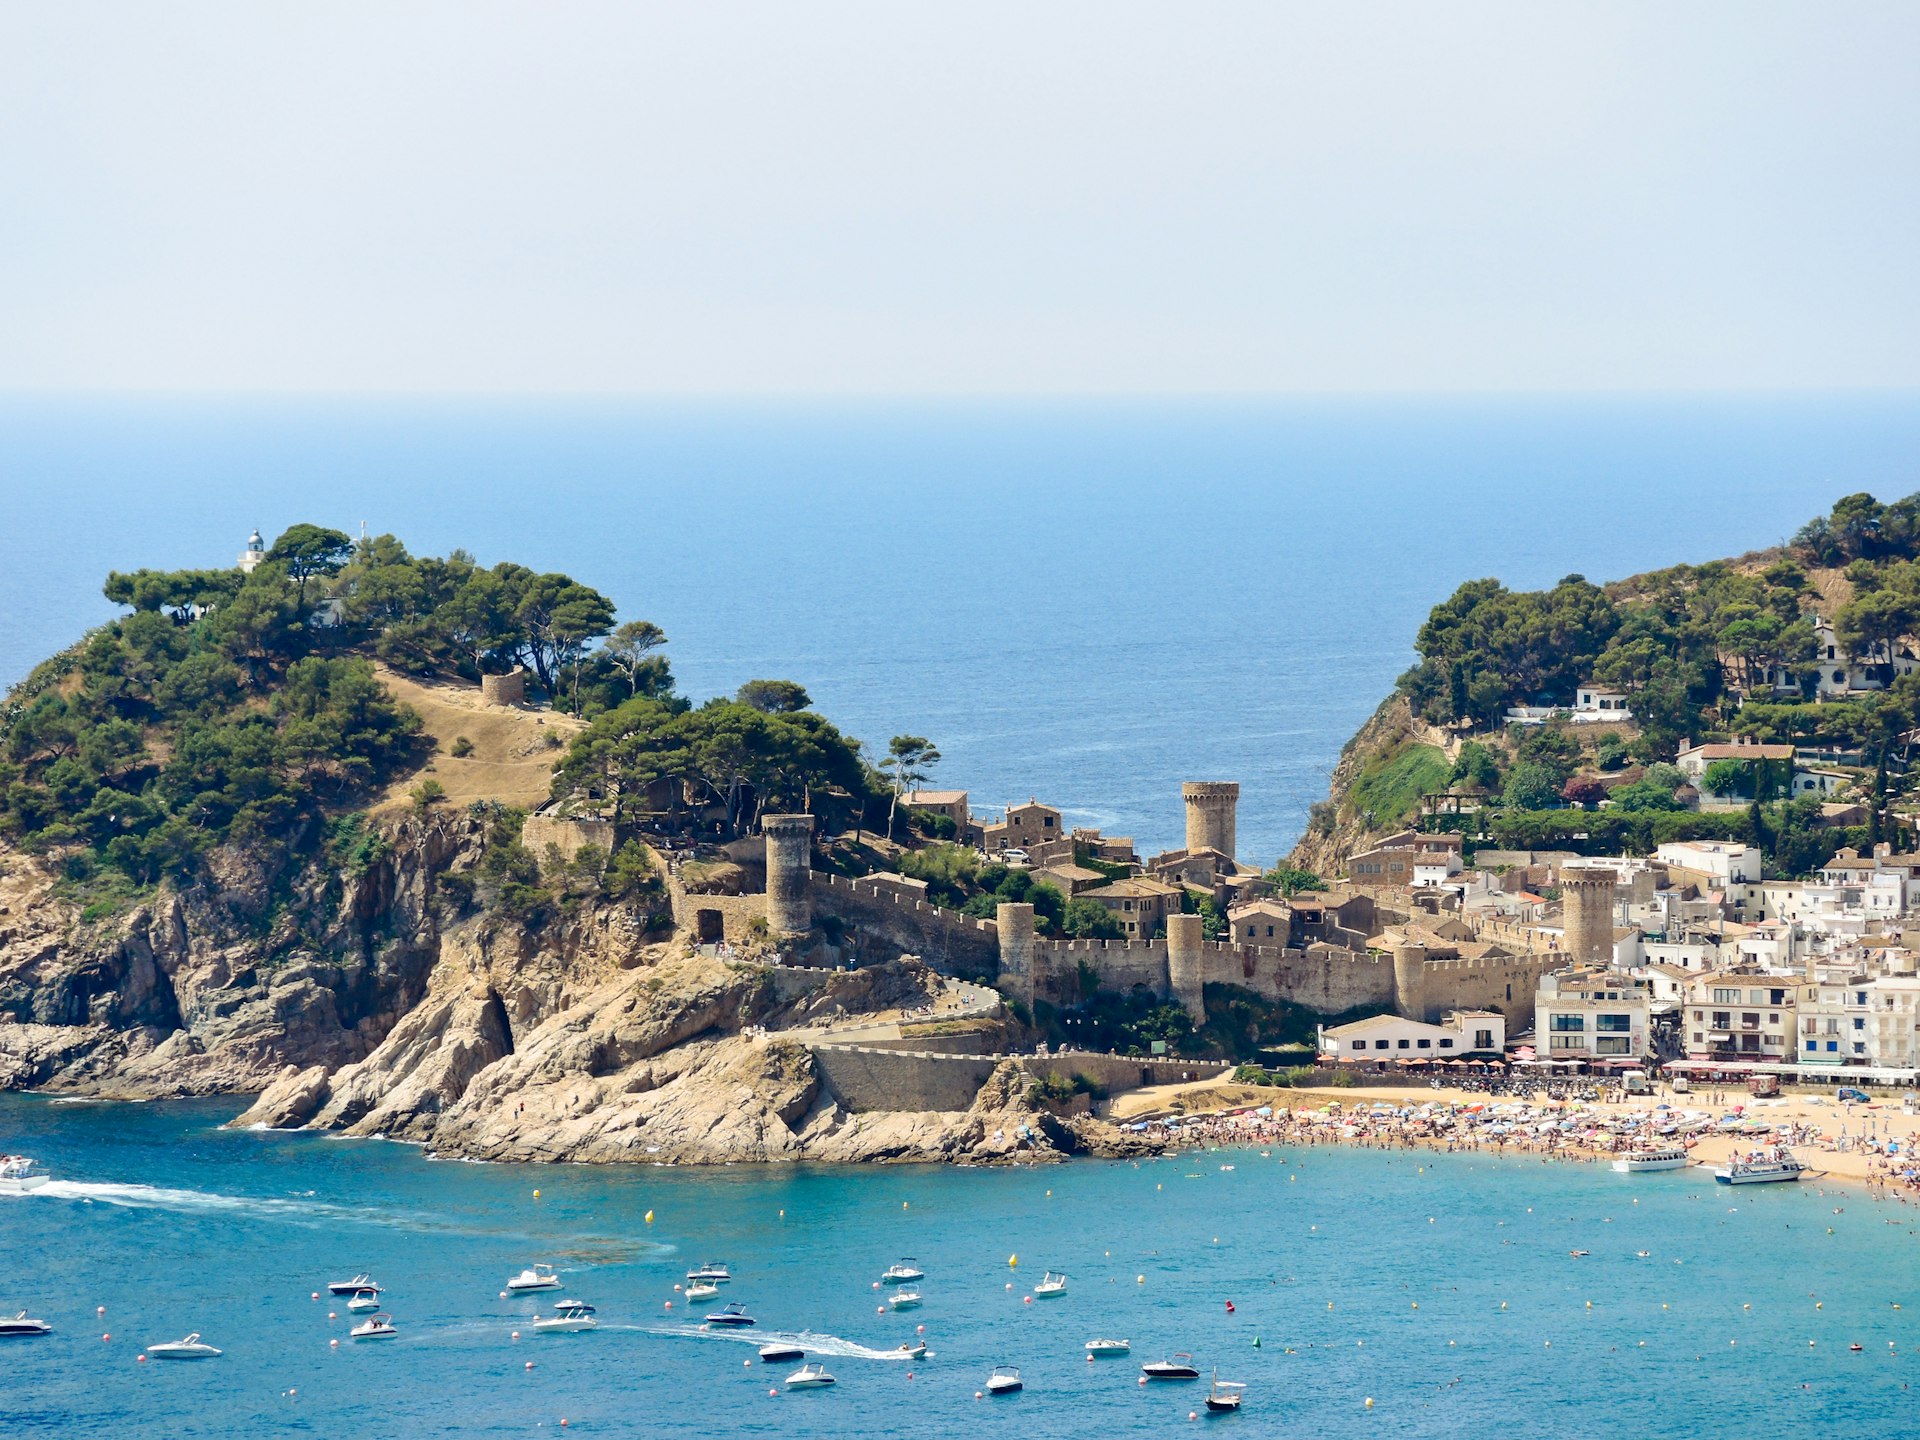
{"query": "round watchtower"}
[(1186, 955), (1211, 806), (1017, 950), (1586, 907), (789, 856)]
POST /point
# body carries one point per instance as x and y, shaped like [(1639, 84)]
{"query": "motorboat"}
[(902, 1271), (535, 1277), (904, 1300), (1108, 1349), (190, 1348), (21, 1325), (1051, 1285), (713, 1272), (780, 1350), (734, 1314), (1660, 1157), (1224, 1395), (17, 1175), (912, 1350), (1005, 1380), (374, 1327), (364, 1300), (811, 1376), (569, 1317), (353, 1286), (1180, 1367), (702, 1290), (1762, 1167)]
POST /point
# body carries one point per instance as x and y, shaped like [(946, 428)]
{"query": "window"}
[(1612, 1045), (1858, 1048), (1568, 1022), (1726, 997), (1402, 1044), (1446, 1042), (1615, 1024), (1250, 932), (1859, 997), (1812, 1045), (1858, 1023), (1379, 1044), (1269, 932), (1482, 1039), (1426, 1044), (1833, 1044), (1723, 1020)]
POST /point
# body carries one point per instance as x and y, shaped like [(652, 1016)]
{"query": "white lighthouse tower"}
[(255, 552)]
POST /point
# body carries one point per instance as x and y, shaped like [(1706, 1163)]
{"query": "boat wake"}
[(159, 1197), (806, 1339)]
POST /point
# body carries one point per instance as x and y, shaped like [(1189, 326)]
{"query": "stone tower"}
[(1186, 955), (1017, 950), (1586, 907), (1210, 814), (789, 856), (1410, 981)]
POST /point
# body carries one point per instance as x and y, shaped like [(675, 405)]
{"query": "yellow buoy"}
[(649, 1213), (1013, 1260), (1369, 1402), (536, 1194), (1139, 1279)]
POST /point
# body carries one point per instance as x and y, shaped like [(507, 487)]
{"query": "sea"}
[(1352, 1292), (1087, 602)]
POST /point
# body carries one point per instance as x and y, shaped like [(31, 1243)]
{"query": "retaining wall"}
[(863, 1077)]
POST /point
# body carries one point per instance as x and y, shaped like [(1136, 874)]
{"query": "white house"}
[(1384, 1038), (1722, 860), (1842, 673), (1592, 1014), (1833, 1020), (1893, 1022), (1600, 703)]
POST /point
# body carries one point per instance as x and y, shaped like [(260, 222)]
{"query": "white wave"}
[(159, 1197), (806, 1339)]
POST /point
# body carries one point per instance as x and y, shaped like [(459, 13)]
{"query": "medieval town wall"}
[(878, 920)]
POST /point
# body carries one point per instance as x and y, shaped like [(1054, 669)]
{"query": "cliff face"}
[(1390, 729)]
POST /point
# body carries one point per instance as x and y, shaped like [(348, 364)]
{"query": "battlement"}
[(866, 890)]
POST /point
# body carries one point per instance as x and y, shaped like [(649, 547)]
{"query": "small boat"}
[(1224, 1395), (1109, 1349), (901, 1271), (1762, 1167), (1180, 1367), (904, 1300), (353, 1286), (190, 1348), (568, 1317), (714, 1272), (21, 1325), (535, 1277), (702, 1290), (1579, 1254), (733, 1314), (1005, 1380), (779, 1350), (17, 1176), (364, 1300), (1050, 1286), (912, 1350), (1662, 1157), (811, 1376), (374, 1327)]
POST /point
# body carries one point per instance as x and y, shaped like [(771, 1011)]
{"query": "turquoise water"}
[(175, 1225), (1089, 602)]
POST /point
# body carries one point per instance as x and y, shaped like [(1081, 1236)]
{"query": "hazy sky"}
[(1031, 197)]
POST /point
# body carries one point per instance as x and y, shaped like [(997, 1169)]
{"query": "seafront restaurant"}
[(1820, 1075)]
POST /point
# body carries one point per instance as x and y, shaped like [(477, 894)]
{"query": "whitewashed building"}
[(1385, 1038), (1592, 1014)]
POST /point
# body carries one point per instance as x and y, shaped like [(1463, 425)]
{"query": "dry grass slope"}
[(512, 758)]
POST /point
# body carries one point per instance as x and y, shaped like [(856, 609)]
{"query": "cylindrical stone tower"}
[(1186, 954), (1017, 950), (1586, 908), (1410, 982), (1210, 814), (789, 859)]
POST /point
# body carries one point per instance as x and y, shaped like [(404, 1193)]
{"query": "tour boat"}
[(733, 1314), (1180, 1367), (904, 1300), (780, 1350), (1224, 1395), (1761, 1168), (188, 1349), (811, 1376), (21, 1325), (1108, 1349), (1050, 1286), (1005, 1380), (1663, 1157), (364, 1300), (374, 1327), (712, 1272), (568, 1316), (902, 1271), (702, 1290), (353, 1286), (535, 1277), (17, 1177)]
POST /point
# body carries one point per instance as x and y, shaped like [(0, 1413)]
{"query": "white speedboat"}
[(374, 1327), (1051, 1285), (912, 1350), (1223, 1396), (569, 1317), (353, 1286), (811, 1376), (1108, 1349), (779, 1350), (1762, 1167), (702, 1290), (362, 1301), (1180, 1367), (17, 1175), (904, 1300), (713, 1272), (21, 1325), (902, 1271), (535, 1277), (1005, 1380), (1663, 1157), (733, 1315), (190, 1348)]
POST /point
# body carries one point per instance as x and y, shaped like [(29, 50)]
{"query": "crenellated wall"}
[(879, 919)]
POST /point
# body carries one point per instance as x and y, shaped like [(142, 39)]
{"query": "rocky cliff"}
[(1340, 826)]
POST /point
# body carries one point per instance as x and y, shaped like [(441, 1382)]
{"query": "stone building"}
[(1139, 904), (1024, 825)]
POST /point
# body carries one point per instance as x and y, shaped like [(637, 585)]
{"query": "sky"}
[(897, 198)]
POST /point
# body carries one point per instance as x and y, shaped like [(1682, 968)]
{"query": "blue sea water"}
[(1440, 1286), (1085, 601)]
